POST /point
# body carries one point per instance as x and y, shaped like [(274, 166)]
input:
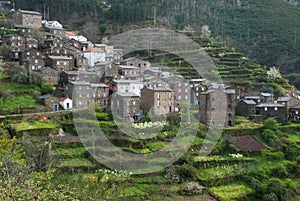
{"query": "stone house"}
[(26, 30), (294, 112), (288, 101), (62, 51), (33, 59), (50, 75), (16, 43), (246, 108), (86, 45), (182, 92), (124, 86), (157, 100), (197, 87), (256, 99), (75, 43), (29, 18), (133, 61), (80, 62), (125, 104), (75, 76), (53, 43), (55, 29), (79, 92), (60, 63), (51, 103), (100, 93), (94, 56), (130, 72), (31, 43), (267, 97), (272, 110), (214, 101)]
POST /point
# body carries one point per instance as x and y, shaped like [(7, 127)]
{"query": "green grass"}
[(30, 125), (78, 151), (76, 162), (19, 101), (231, 191), (244, 123), (13, 87)]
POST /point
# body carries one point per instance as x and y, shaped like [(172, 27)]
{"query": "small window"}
[(275, 108), (266, 109)]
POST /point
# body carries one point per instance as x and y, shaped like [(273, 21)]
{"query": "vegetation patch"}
[(231, 191)]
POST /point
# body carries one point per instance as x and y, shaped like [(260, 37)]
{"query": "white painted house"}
[(66, 103), (94, 56), (71, 35), (133, 86)]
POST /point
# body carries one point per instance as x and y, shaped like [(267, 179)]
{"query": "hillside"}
[(265, 30)]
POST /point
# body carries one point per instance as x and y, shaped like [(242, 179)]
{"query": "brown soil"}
[(247, 143)]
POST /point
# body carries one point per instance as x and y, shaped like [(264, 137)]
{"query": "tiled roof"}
[(94, 49), (70, 33)]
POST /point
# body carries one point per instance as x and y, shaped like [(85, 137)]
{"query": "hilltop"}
[(265, 30)]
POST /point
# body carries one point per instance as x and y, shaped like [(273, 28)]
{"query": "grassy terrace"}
[(19, 101), (231, 191), (31, 125)]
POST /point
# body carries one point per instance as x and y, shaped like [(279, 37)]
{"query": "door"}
[(68, 105), (55, 108)]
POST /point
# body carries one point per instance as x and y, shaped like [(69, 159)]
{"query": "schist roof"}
[(249, 102), (159, 89), (29, 12), (80, 83), (59, 58), (295, 106), (270, 105), (128, 67), (266, 94), (99, 85), (126, 94), (252, 97), (284, 99), (127, 81)]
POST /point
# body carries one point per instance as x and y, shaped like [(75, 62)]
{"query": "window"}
[(229, 114), (266, 109), (88, 95), (28, 53), (158, 95), (36, 61), (158, 103), (57, 62), (133, 102), (179, 97), (37, 53), (186, 97), (179, 84), (297, 112), (275, 108), (179, 90)]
